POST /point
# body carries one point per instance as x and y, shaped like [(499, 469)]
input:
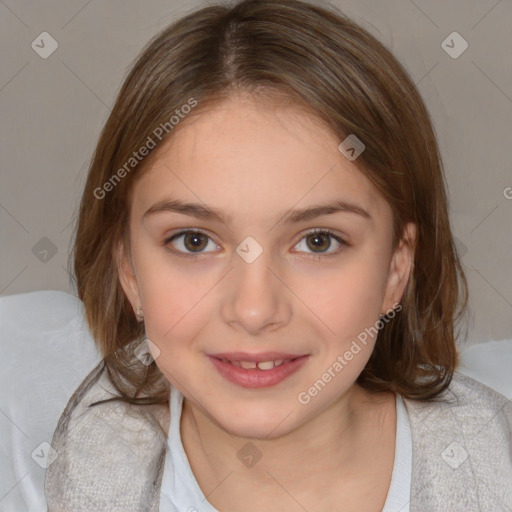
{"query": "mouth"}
[(257, 371)]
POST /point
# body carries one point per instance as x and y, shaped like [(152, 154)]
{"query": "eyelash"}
[(168, 240)]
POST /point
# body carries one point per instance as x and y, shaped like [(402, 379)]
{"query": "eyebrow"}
[(202, 211)]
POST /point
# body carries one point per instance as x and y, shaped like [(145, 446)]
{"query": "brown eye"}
[(189, 243), (318, 242), (195, 241)]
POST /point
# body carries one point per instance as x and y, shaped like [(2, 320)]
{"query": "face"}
[(247, 274)]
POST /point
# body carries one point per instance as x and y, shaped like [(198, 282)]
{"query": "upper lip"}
[(257, 358)]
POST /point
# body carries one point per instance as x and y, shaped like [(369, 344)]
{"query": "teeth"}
[(262, 365), (247, 364), (266, 365)]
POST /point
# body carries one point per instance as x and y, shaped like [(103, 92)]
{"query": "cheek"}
[(171, 295), (174, 312), (174, 315), (347, 299)]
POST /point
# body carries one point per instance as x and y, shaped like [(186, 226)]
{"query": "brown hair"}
[(326, 63)]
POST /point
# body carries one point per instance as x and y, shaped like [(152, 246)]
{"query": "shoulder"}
[(465, 398), (466, 407), (110, 454), (476, 392), (462, 448)]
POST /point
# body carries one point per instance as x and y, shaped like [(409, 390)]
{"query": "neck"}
[(336, 445)]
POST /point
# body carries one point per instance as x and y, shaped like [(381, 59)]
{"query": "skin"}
[(254, 161)]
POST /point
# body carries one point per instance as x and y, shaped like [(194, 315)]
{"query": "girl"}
[(265, 259)]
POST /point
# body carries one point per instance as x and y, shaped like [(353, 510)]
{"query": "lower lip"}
[(255, 378)]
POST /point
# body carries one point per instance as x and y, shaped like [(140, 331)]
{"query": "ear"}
[(126, 275), (400, 268)]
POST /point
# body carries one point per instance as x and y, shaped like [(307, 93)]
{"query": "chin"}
[(251, 431), (256, 422)]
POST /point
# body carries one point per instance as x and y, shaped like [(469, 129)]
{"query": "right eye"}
[(189, 240)]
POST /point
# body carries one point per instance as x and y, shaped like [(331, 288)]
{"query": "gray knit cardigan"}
[(111, 456)]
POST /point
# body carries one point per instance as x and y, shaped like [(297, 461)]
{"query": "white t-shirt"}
[(180, 491), (399, 493)]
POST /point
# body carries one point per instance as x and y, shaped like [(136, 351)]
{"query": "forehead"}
[(250, 157)]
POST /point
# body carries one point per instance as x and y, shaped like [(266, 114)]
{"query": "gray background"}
[(53, 109)]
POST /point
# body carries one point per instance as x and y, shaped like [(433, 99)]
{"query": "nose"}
[(255, 300)]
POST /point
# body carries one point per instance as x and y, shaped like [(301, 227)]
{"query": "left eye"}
[(196, 241), (321, 239)]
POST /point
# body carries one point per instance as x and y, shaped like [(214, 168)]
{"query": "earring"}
[(140, 314)]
